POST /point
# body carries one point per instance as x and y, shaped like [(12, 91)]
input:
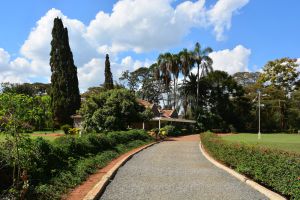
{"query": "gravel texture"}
[(175, 170)]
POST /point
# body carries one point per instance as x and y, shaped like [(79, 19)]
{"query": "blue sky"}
[(244, 34)]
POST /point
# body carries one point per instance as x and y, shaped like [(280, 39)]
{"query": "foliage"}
[(278, 170), (53, 167), (281, 73), (170, 67), (74, 131), (111, 110), (30, 89), (108, 82), (246, 78), (170, 130), (221, 104), (293, 111), (65, 128), (142, 81), (35, 112), (65, 96)]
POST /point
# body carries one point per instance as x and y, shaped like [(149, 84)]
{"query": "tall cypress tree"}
[(65, 96), (108, 83)]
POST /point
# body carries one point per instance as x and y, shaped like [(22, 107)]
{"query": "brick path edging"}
[(268, 193), (100, 186)]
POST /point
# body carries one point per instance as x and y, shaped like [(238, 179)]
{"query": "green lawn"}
[(47, 135), (287, 142)]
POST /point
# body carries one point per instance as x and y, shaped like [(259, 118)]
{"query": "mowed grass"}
[(47, 135), (286, 142)]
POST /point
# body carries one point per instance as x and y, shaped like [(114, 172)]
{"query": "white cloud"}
[(4, 59), (133, 25), (221, 13), (231, 61), (140, 26), (92, 73)]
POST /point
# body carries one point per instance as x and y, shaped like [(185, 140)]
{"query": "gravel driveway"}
[(175, 170)]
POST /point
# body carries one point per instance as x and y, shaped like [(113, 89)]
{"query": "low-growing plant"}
[(54, 167), (170, 130), (65, 128), (73, 131), (276, 169)]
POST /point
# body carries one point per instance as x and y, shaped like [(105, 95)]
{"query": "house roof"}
[(167, 113), (173, 120), (77, 116), (144, 103)]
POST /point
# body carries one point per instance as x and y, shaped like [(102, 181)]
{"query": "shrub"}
[(276, 169), (53, 167), (74, 131), (65, 128), (170, 130), (112, 110)]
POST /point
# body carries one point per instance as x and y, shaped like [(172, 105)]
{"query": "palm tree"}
[(170, 68), (202, 60), (163, 72), (188, 90), (187, 62)]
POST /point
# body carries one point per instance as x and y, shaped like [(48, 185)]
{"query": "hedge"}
[(54, 167), (276, 169)]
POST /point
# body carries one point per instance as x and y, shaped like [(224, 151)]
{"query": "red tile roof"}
[(166, 113), (144, 103)]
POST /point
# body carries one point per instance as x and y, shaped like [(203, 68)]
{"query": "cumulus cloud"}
[(92, 73), (221, 13), (231, 60), (133, 25)]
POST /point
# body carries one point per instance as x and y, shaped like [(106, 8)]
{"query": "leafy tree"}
[(151, 88), (14, 115), (222, 103), (111, 110), (132, 80), (36, 114), (30, 89), (108, 83), (246, 78), (293, 112), (65, 94), (281, 73), (93, 91)]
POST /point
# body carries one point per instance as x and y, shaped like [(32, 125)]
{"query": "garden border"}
[(268, 193), (100, 186)]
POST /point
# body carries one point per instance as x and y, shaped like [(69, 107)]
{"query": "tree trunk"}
[(198, 66), (174, 93)]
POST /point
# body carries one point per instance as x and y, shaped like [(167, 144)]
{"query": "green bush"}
[(54, 167), (170, 130), (65, 128), (74, 131), (276, 169)]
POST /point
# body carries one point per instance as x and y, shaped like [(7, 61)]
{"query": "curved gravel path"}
[(175, 170)]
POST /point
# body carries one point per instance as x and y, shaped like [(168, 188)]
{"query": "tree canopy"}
[(65, 96)]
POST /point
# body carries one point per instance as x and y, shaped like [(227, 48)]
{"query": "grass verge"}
[(286, 142), (275, 169)]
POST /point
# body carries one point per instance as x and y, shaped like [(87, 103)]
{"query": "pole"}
[(259, 133)]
